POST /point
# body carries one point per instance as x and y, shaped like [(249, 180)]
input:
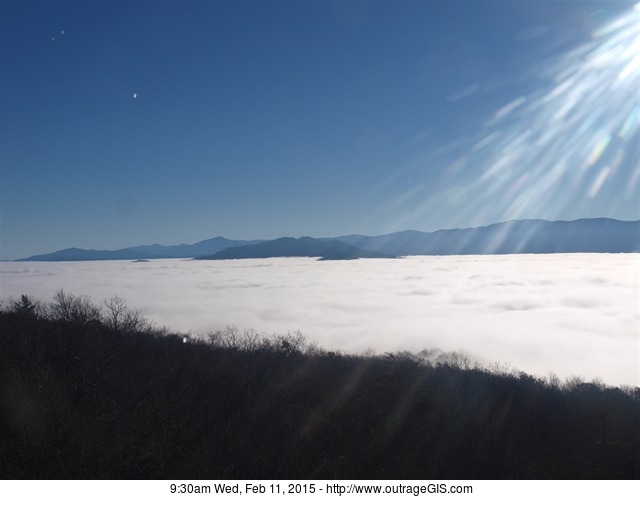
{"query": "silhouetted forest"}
[(95, 392)]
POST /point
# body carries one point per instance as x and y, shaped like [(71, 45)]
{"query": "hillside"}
[(89, 395), (304, 246)]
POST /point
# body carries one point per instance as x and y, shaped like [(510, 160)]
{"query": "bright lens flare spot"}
[(633, 183), (599, 181), (599, 149), (510, 107), (630, 123)]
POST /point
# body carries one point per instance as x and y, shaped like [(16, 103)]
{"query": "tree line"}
[(95, 391)]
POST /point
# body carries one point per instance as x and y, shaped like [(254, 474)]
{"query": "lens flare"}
[(570, 137), (559, 147)]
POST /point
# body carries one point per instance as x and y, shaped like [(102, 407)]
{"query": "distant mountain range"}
[(512, 237), (156, 251), (304, 246)]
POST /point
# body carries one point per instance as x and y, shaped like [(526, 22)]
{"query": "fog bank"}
[(571, 314)]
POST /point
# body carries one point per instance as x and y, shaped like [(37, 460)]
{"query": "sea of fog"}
[(570, 314)]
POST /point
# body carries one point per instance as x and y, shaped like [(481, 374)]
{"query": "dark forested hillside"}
[(95, 392)]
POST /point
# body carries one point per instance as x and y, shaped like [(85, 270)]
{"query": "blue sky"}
[(124, 123)]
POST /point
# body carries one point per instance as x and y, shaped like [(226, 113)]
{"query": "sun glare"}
[(562, 143)]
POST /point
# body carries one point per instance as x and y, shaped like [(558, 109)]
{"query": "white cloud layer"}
[(571, 314)]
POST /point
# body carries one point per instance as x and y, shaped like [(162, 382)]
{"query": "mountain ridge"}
[(150, 251), (301, 247), (536, 236)]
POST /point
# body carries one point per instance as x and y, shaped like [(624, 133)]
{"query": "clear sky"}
[(124, 123)]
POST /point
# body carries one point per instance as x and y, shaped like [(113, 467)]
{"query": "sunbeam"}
[(560, 145)]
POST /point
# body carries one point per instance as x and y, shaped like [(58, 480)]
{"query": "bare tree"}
[(74, 308), (120, 318)]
